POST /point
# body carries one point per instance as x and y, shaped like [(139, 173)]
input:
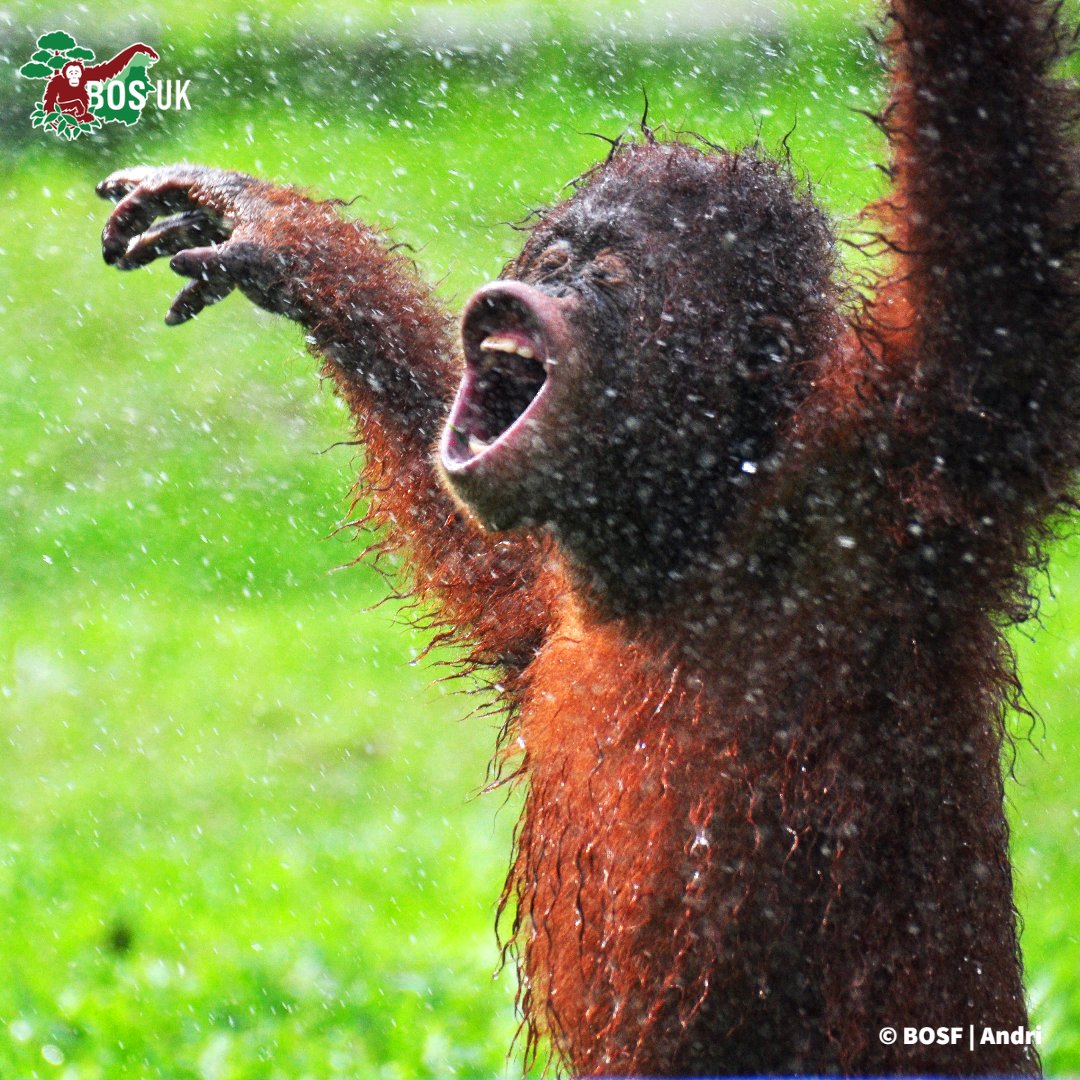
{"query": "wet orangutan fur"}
[(736, 545)]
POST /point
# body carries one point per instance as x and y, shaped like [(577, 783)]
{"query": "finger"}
[(120, 183), (211, 263), (136, 212), (195, 296), (212, 281), (192, 229)]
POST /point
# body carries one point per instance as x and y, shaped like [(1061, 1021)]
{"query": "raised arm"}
[(387, 344), (978, 323), (108, 68)]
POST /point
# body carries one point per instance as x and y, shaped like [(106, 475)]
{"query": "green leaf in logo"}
[(34, 70), (56, 40)]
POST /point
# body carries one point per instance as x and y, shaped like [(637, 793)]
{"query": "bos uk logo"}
[(81, 95)]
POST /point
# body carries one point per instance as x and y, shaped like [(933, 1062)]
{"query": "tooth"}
[(498, 344), (477, 445)]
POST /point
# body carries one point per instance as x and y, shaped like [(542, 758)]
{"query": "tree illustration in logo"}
[(64, 108)]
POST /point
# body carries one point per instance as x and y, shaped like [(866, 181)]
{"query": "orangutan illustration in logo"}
[(66, 90)]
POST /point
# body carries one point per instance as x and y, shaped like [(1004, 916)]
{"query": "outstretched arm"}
[(108, 68), (387, 344), (977, 328)]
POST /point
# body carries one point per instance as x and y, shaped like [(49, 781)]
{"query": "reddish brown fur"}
[(760, 720)]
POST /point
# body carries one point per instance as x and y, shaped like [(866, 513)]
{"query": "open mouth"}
[(509, 355)]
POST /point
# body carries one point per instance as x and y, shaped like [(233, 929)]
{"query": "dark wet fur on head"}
[(697, 368)]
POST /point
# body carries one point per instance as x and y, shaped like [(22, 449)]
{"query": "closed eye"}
[(553, 258), (609, 268)]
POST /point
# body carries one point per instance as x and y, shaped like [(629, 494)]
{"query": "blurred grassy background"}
[(237, 831)]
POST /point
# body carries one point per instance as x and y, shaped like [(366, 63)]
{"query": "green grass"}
[(172, 22), (237, 831)]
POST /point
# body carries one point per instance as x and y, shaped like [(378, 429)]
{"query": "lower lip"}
[(454, 464)]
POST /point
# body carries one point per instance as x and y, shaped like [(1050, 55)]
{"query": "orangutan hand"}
[(217, 226)]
